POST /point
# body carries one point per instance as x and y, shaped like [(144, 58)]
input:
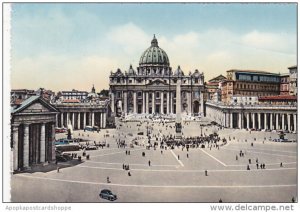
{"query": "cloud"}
[(276, 42), (129, 37)]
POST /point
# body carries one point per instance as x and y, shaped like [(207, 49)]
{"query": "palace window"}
[(196, 80)]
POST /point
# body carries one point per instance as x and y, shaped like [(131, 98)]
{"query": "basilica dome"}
[(154, 55)]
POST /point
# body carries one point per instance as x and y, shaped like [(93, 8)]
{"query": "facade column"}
[(78, 121), (240, 120), (26, 146), (161, 102), (295, 123), (104, 120), (125, 103), (253, 121), (144, 105), (283, 121), (259, 120), (153, 102), (168, 102), (231, 120), (43, 145), (84, 120), (248, 120), (277, 121), (112, 102), (100, 120), (188, 102), (289, 122), (202, 104), (62, 119), (171, 103), (265, 121), (147, 102), (15, 147), (93, 119), (134, 102)]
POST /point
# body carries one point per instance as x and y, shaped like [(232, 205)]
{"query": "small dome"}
[(196, 73), (154, 55), (178, 72), (131, 71)]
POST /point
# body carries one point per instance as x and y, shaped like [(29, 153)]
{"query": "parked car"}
[(107, 194), (90, 147)]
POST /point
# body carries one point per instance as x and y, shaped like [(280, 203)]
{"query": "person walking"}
[(206, 173), (107, 180), (149, 162), (178, 157)]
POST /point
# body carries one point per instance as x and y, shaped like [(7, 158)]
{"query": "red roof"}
[(281, 97)]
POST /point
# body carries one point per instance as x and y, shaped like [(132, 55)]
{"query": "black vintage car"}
[(107, 194)]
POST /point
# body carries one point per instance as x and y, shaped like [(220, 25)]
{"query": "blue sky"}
[(65, 46)]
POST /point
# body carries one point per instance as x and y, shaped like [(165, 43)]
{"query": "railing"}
[(259, 106)]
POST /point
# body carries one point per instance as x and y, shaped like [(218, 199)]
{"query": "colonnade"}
[(79, 120), (261, 120)]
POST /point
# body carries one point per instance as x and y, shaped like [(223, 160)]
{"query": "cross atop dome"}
[(154, 42)]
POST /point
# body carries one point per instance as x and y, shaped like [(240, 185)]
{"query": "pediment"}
[(157, 82), (35, 105)]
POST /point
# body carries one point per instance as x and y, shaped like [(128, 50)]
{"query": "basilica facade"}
[(151, 88)]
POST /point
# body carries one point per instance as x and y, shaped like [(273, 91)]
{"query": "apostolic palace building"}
[(151, 88)]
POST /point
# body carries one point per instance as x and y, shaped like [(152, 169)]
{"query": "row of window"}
[(256, 87), (246, 77)]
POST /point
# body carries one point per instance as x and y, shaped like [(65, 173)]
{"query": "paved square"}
[(168, 179)]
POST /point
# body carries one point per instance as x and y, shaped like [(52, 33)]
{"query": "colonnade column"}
[(26, 146), (93, 119), (153, 102), (240, 120), (295, 122), (277, 121), (84, 120), (73, 120), (42, 142), (259, 120), (78, 121), (68, 116), (134, 102), (231, 120), (162, 102), (271, 121), (283, 122), (289, 122), (15, 146), (62, 119), (147, 102), (253, 121), (248, 120), (265, 121)]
